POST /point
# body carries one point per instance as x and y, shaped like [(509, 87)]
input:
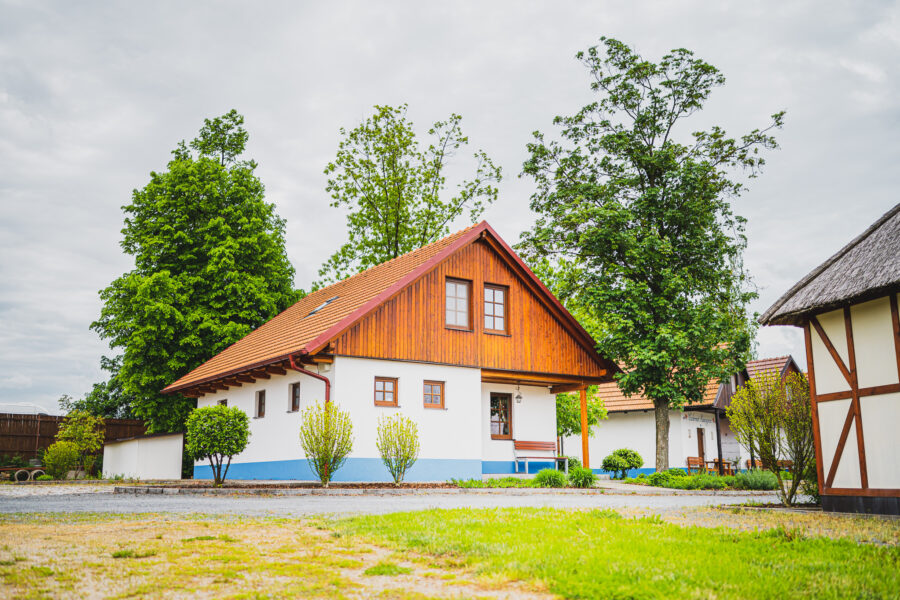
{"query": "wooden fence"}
[(24, 435)]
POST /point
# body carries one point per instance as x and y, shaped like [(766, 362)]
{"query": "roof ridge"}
[(766, 316)]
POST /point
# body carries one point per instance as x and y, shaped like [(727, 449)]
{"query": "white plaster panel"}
[(873, 341), (533, 419), (450, 433), (834, 326), (276, 436), (847, 474), (831, 421), (828, 377), (880, 419), (157, 457)]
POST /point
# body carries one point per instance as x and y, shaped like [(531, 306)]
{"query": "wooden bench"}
[(696, 462), (525, 446), (756, 464), (786, 465)]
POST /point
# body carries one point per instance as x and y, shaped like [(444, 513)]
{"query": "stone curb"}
[(351, 492)]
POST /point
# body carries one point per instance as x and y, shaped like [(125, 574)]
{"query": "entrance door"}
[(701, 441)]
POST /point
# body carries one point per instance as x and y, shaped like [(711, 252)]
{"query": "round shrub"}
[(549, 478), (582, 478), (43, 477), (60, 458), (660, 479), (621, 461), (755, 479), (216, 433)]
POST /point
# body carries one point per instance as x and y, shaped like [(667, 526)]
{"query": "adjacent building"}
[(459, 335), (847, 307)]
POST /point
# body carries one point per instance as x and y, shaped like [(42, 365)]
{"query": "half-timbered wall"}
[(410, 326), (854, 368)]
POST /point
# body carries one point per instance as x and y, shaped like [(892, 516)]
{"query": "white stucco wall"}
[(155, 457), (637, 431), (533, 419)]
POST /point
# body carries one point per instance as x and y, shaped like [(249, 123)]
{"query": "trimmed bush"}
[(44, 477), (549, 478), (398, 444), (621, 461), (756, 479), (326, 436), (582, 478), (216, 433), (60, 458), (86, 431)]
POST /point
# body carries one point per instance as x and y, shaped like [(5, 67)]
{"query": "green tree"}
[(217, 433), (87, 432), (398, 444), (326, 436), (568, 413), (392, 189), (634, 213), (772, 416), (210, 266), (621, 461)]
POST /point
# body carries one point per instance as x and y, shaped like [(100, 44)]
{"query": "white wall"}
[(637, 431), (533, 419), (449, 433), (153, 457), (275, 436)]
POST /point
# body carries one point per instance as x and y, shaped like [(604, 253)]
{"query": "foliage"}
[(539, 545), (621, 461), (398, 444), (568, 412), (87, 432), (44, 477), (210, 266), (772, 417), (549, 478), (574, 462), (106, 399), (755, 479), (60, 458), (810, 484), (392, 189), (636, 226), (217, 433), (580, 477), (8, 460), (326, 436), (498, 482)]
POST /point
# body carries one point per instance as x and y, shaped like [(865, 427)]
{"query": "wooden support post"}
[(719, 442), (585, 456)]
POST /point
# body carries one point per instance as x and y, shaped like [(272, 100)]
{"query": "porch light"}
[(518, 396)]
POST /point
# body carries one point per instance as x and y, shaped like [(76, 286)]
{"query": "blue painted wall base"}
[(508, 467), (355, 469)]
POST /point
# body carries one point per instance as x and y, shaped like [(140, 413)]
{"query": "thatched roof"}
[(866, 268)]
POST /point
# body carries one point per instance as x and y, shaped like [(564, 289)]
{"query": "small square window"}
[(260, 404), (495, 308), (434, 394), (386, 391)]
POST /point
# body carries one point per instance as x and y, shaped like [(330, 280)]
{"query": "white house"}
[(700, 429), (459, 335), (847, 307)]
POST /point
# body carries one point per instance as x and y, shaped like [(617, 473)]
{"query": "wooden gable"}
[(411, 326)]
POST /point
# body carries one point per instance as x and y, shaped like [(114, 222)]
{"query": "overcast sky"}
[(93, 96)]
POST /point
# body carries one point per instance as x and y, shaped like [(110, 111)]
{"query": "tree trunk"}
[(661, 413)]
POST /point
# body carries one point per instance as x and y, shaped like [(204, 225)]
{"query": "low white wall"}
[(150, 457)]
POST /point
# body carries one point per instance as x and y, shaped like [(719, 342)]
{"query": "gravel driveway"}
[(99, 498)]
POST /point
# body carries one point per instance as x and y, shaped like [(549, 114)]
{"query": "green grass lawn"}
[(600, 554)]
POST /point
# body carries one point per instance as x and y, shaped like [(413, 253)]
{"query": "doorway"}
[(701, 443)]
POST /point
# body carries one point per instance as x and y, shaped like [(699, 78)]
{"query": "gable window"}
[(501, 416), (385, 391), (295, 398), (223, 402), (457, 304), (495, 308), (260, 404), (434, 394)]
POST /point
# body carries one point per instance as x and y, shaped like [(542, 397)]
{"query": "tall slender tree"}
[(636, 222), (394, 190), (210, 266)]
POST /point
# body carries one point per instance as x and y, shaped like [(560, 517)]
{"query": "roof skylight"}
[(321, 306)]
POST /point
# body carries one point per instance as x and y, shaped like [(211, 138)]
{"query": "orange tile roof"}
[(616, 401), (778, 364), (295, 329)]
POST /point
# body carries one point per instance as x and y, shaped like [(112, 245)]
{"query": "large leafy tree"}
[(635, 218), (210, 266), (393, 189), (106, 399)]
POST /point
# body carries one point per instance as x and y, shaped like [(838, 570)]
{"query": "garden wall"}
[(25, 435)]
